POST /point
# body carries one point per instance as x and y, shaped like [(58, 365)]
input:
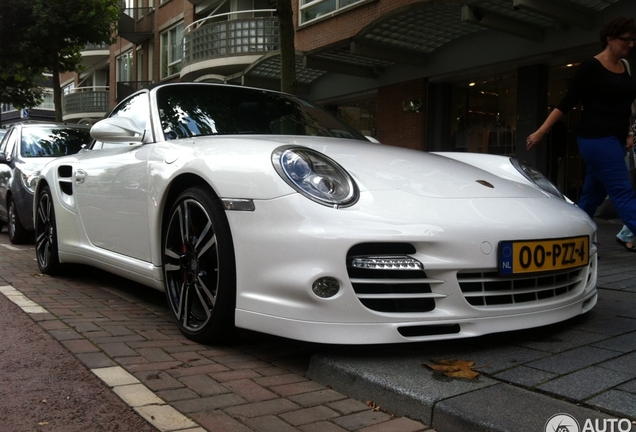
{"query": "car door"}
[(7, 146), (111, 187)]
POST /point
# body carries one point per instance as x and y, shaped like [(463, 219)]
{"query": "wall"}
[(394, 125)]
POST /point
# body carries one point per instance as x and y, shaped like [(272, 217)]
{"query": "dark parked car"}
[(24, 150)]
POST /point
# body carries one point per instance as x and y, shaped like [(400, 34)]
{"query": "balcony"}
[(136, 24), (229, 44), (86, 103), (92, 54)]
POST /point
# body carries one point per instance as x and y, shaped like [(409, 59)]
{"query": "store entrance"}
[(484, 120)]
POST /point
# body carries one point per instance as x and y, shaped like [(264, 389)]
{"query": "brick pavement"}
[(124, 333)]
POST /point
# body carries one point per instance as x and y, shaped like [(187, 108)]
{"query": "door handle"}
[(80, 176)]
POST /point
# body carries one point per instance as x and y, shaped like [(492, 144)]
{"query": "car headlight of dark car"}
[(536, 177), (29, 179), (315, 176)]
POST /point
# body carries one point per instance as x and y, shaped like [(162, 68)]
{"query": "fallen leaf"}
[(43, 423), (376, 407), (454, 368)]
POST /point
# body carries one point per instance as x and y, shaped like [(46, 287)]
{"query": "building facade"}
[(434, 75)]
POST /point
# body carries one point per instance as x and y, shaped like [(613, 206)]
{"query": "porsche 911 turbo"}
[(259, 210)]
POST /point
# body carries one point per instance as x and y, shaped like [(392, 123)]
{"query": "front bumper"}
[(285, 245)]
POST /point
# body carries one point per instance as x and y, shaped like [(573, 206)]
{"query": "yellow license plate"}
[(532, 256)]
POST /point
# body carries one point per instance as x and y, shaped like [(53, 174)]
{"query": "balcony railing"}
[(240, 33), (96, 47), (86, 101)]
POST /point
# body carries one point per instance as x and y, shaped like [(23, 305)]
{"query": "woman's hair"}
[(616, 27)]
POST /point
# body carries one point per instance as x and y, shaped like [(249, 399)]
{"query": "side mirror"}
[(117, 130), (3, 158)]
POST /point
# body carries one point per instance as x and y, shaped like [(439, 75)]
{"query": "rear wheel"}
[(199, 267), (46, 233), (17, 233)]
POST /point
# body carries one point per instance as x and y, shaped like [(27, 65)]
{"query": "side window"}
[(137, 108), (8, 144), (3, 142)]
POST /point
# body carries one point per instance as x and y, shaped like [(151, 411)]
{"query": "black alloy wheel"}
[(46, 233), (199, 267), (17, 233)]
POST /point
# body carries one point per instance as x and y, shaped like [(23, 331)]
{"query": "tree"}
[(287, 48), (48, 35), (20, 72)]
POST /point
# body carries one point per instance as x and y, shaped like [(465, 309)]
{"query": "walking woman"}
[(606, 91)]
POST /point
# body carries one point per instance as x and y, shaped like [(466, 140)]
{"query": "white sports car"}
[(259, 210)]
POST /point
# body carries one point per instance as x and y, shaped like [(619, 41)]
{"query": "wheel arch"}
[(177, 186)]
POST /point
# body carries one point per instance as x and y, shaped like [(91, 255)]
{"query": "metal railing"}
[(96, 47), (86, 100), (241, 33)]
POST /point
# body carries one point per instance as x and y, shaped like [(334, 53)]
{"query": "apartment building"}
[(435, 75)]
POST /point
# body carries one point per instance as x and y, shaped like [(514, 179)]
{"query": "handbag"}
[(630, 157)]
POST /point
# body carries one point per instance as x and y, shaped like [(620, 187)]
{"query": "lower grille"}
[(491, 289), (395, 290)]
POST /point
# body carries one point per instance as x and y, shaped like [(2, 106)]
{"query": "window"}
[(313, 9), (128, 7), (125, 67), (171, 51), (140, 65), (484, 116), (136, 108), (68, 89), (48, 102)]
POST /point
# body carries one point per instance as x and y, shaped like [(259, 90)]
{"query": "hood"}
[(382, 167)]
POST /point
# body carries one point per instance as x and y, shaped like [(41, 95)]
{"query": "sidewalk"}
[(585, 367), (124, 333)]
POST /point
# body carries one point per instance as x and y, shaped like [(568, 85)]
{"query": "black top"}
[(606, 98)]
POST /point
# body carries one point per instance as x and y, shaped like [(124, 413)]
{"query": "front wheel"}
[(199, 267), (17, 232), (46, 233)]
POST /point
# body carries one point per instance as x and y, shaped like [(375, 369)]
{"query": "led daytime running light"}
[(387, 263)]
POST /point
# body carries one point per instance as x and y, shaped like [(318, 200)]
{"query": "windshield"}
[(51, 141), (194, 110)]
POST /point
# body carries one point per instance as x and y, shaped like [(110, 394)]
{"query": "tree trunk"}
[(287, 47), (57, 89)]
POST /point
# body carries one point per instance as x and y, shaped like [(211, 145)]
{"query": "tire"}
[(17, 233), (199, 267), (46, 233)]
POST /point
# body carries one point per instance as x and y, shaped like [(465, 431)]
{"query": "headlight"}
[(29, 180), (315, 176), (535, 177)]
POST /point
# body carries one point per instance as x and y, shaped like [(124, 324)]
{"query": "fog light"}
[(326, 287), (387, 263)]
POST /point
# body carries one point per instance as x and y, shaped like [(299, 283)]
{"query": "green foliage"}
[(47, 35)]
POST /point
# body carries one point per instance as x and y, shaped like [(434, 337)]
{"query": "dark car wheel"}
[(46, 234), (17, 233), (199, 267)]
